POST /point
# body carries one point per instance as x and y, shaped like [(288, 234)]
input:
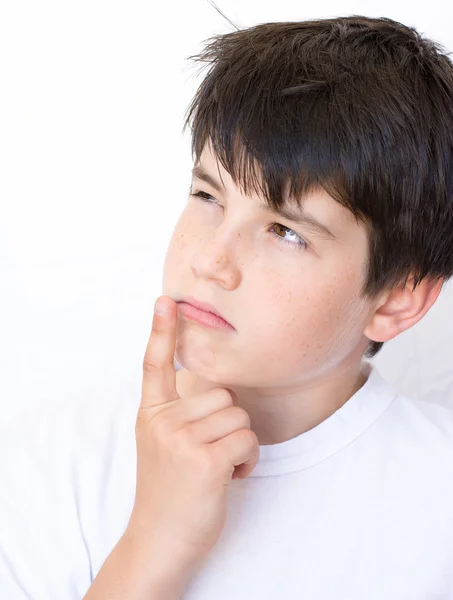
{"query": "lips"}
[(203, 306), (202, 317)]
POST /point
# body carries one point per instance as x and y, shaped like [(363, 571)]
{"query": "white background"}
[(94, 172)]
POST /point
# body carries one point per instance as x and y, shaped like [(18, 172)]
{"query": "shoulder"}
[(48, 448), (98, 413), (66, 484), (426, 421), (421, 430), (436, 419)]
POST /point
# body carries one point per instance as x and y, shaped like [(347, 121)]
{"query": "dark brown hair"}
[(362, 107)]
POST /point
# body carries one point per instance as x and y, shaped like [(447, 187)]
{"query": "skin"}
[(300, 326)]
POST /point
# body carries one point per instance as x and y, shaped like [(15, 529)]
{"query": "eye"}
[(299, 244), (203, 195)]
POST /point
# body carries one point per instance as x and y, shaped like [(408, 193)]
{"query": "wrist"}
[(167, 567)]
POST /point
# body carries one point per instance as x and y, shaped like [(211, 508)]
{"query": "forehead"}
[(317, 203)]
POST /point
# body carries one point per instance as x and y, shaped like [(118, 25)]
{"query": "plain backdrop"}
[(95, 170)]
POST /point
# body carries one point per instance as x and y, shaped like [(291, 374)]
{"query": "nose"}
[(217, 259)]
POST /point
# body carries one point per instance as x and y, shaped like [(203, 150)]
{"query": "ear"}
[(401, 308)]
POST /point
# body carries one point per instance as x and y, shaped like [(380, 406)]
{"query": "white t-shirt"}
[(358, 508)]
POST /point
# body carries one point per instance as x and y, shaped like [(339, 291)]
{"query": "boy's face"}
[(296, 311)]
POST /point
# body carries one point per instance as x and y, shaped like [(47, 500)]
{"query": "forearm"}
[(133, 572)]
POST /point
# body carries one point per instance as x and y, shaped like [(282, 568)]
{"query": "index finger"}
[(159, 374)]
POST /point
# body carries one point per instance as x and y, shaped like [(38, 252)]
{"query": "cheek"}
[(284, 323), (337, 304), (296, 323), (179, 243), (341, 319)]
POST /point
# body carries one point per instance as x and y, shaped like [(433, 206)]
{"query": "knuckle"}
[(251, 439), (197, 459), (162, 424), (158, 327), (150, 365), (241, 415), (141, 421), (246, 437), (183, 442), (206, 461), (223, 394)]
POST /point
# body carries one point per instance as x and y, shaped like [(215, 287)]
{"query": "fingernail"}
[(161, 308)]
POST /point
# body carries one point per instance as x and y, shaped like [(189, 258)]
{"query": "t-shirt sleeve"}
[(67, 488), (42, 554)]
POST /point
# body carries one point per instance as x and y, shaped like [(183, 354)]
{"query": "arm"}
[(134, 572)]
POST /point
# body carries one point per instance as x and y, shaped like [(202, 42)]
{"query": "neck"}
[(280, 415)]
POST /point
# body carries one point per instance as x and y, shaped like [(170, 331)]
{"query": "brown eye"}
[(300, 244)]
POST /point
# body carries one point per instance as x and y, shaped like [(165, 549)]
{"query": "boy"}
[(319, 226)]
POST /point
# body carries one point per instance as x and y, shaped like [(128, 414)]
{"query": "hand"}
[(188, 450)]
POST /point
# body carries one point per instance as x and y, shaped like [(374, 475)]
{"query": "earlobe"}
[(382, 328), (402, 309)]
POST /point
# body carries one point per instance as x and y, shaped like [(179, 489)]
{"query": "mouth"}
[(203, 313)]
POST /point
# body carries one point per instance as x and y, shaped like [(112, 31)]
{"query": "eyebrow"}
[(286, 212)]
